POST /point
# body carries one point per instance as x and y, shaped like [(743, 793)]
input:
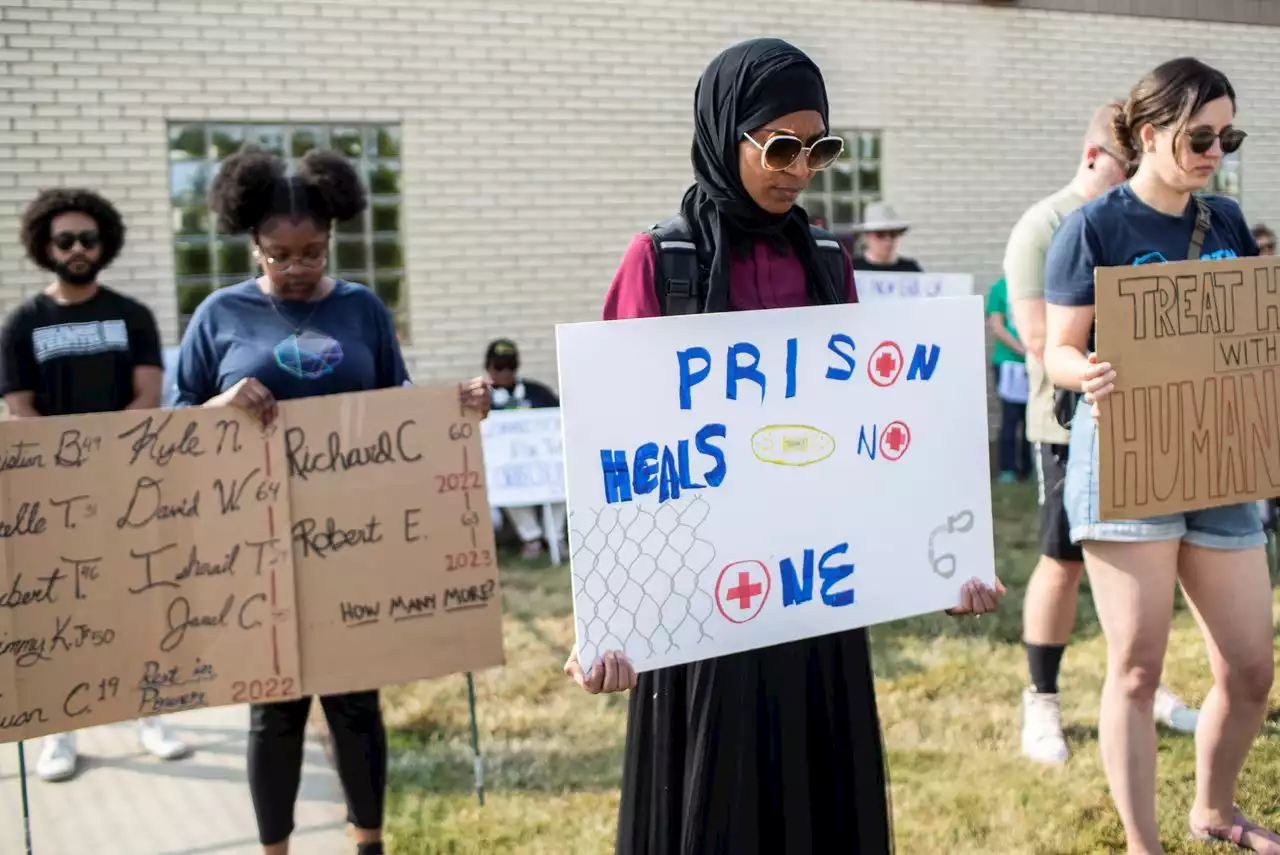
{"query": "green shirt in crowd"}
[(998, 302)]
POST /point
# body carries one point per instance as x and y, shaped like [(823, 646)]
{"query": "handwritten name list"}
[(145, 568), (392, 537), (160, 561)]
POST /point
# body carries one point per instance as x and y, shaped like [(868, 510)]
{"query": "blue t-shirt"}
[(1119, 229), (343, 343)]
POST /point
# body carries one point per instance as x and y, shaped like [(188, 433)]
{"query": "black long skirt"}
[(769, 752)]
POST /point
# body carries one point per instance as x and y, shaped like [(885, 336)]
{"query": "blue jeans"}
[(1013, 452), (1228, 527)]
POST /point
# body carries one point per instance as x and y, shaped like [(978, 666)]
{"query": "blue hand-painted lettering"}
[(670, 473)]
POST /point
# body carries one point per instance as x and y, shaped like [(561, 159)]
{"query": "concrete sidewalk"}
[(125, 802)]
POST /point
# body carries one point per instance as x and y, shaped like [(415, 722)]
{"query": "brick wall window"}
[(366, 249), (838, 195)]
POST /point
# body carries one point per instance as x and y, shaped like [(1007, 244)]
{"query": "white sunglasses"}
[(781, 150)]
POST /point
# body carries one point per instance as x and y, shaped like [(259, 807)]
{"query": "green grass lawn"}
[(948, 691)]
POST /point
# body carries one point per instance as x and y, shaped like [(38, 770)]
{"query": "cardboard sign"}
[(745, 479), (146, 565), (145, 568), (392, 539), (523, 457), (875, 286), (1193, 420)]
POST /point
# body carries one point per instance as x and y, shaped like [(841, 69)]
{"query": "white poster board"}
[(875, 286), (837, 478), (523, 457)]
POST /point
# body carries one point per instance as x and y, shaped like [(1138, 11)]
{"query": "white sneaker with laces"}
[(57, 758), (1172, 712), (156, 738), (1042, 738)]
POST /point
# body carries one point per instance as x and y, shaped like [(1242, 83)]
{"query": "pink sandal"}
[(1242, 833)]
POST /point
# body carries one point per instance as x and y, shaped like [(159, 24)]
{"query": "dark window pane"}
[(305, 139), (868, 146), (192, 259), (270, 137), (388, 288), (842, 212), (351, 255), (353, 226), (191, 221), (233, 258), (840, 178), (869, 177), (186, 142), (225, 139), (386, 217), (384, 179), (347, 141), (387, 253), (189, 182), (388, 141), (191, 295)]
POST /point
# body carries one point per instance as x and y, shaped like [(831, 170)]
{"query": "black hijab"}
[(745, 87)]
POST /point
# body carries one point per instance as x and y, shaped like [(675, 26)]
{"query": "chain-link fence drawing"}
[(640, 580)]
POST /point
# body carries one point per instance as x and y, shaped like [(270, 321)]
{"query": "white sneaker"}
[(157, 739), (1172, 712), (57, 758), (1042, 738)]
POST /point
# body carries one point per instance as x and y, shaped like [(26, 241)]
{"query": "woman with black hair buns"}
[(297, 332)]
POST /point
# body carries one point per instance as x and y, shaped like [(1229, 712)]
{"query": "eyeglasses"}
[(1266, 248), (783, 149), (88, 239), (1203, 137), (309, 260)]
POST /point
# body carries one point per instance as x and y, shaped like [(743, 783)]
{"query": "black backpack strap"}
[(678, 281), (1204, 222), (831, 253)]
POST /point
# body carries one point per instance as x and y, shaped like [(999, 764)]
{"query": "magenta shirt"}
[(763, 280)]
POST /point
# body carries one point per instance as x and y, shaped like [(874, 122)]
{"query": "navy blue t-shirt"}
[(343, 343), (1119, 229)]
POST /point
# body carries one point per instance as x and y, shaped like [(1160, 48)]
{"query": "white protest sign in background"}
[(523, 457), (875, 286), (837, 478)]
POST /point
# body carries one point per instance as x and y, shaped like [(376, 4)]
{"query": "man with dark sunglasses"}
[(80, 347), (1049, 611)]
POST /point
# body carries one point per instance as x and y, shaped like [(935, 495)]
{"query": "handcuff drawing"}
[(945, 564)]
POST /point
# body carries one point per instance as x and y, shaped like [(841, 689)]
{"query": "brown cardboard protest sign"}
[(147, 559), (392, 539), (144, 568), (1193, 422)]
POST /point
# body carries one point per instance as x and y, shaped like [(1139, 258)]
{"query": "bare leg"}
[(1230, 594), (276, 849), (1133, 586), (1049, 612)]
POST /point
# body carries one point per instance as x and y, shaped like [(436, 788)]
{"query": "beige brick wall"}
[(540, 134)]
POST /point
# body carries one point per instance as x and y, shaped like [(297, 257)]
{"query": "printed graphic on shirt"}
[(82, 339), (309, 356), (1158, 258)]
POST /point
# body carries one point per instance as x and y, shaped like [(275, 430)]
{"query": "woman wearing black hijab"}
[(775, 750)]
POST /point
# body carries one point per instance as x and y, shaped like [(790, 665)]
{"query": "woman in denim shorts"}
[(1176, 125)]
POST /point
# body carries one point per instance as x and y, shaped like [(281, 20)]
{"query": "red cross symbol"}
[(742, 590), (746, 590), (895, 439), (885, 365)]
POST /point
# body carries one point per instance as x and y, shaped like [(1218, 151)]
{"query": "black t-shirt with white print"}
[(78, 358)]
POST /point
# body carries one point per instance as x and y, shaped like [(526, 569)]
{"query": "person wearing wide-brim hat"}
[(881, 229)]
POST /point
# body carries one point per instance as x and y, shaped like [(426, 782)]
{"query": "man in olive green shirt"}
[(1049, 611)]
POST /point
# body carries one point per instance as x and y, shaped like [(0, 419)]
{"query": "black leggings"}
[(276, 735)]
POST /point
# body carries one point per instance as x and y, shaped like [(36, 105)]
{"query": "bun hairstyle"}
[(1168, 97), (253, 185)]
